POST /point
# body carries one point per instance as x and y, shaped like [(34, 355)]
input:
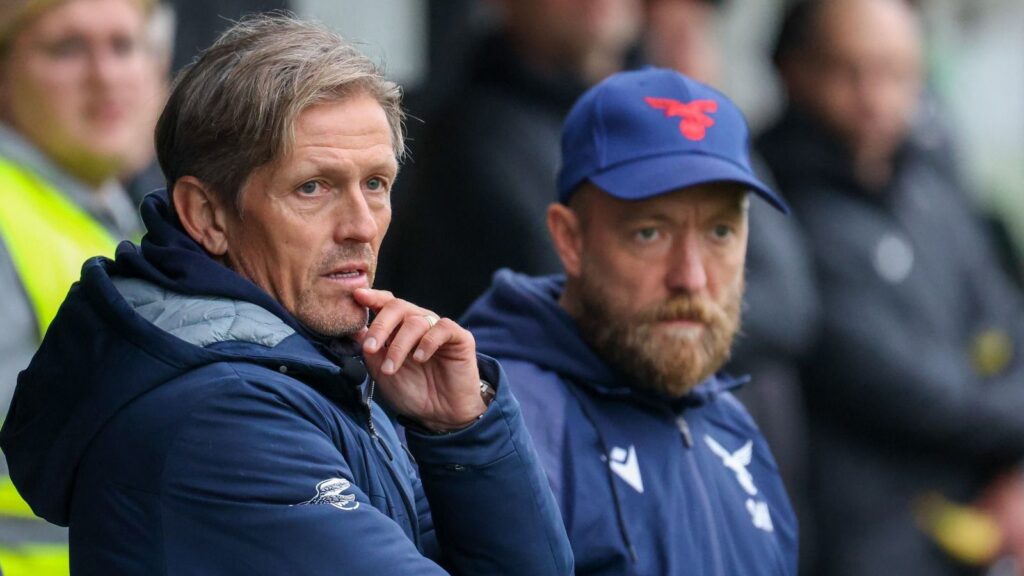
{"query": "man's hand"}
[(425, 366)]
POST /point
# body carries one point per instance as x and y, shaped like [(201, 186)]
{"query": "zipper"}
[(702, 492), (684, 429), (371, 386), (396, 477)]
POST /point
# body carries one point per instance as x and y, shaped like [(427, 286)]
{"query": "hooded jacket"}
[(180, 421), (645, 486)]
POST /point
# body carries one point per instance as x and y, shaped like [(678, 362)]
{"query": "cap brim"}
[(647, 177)]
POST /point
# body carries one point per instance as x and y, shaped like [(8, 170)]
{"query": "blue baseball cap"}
[(648, 132)]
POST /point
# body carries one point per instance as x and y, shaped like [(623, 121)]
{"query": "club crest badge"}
[(332, 491), (694, 117), (737, 462)]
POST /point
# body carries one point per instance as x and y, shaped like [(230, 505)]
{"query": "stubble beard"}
[(657, 358), (322, 315)]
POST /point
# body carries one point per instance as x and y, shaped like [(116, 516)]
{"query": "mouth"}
[(686, 328), (107, 111), (352, 273)]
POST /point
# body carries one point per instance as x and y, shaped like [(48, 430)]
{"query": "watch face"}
[(486, 392)]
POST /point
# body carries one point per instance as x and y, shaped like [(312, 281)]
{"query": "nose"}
[(687, 272), (356, 219), (106, 65)]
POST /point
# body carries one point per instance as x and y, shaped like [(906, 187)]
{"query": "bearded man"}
[(656, 467)]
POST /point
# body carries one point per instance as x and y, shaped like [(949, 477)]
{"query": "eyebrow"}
[(740, 208), (391, 166)]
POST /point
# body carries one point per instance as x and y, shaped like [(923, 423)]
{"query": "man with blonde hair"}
[(223, 418)]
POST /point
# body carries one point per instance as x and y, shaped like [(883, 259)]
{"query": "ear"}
[(567, 234), (202, 214)]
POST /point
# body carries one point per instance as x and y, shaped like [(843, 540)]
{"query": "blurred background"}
[(887, 364)]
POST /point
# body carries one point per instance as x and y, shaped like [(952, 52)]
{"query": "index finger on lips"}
[(373, 299)]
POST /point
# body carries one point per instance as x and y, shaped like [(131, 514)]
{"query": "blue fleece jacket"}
[(645, 485), (181, 422)]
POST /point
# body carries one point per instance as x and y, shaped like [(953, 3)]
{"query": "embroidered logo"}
[(760, 515), (737, 462), (330, 491), (624, 463), (694, 121)]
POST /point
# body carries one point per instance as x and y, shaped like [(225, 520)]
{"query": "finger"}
[(373, 299), (387, 320), (407, 339), (446, 331)]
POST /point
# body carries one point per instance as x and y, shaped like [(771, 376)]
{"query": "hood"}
[(519, 318), (126, 327)]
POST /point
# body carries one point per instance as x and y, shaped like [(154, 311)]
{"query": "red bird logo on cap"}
[(695, 120)]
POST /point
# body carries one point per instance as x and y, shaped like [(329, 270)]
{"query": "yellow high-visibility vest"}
[(48, 238)]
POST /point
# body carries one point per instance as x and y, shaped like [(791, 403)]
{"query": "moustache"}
[(683, 308), (347, 253)]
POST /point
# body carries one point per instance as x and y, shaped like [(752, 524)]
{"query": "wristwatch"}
[(487, 393)]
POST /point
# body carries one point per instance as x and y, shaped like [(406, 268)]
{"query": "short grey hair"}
[(234, 108)]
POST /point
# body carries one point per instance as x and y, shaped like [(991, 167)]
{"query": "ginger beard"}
[(657, 357)]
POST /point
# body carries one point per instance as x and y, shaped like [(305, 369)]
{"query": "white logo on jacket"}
[(330, 491), (625, 465), (737, 462)]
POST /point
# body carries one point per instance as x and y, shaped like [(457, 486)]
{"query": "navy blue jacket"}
[(181, 422), (645, 486)]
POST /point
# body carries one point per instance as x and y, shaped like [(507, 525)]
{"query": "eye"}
[(647, 235), (375, 184), (309, 188), (66, 48), (124, 45), (722, 231)]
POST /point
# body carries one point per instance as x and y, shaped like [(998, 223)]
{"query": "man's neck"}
[(873, 173)]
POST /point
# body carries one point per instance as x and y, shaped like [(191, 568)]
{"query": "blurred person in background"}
[(916, 385), (141, 173), (681, 34), (781, 309), (74, 79), (476, 196)]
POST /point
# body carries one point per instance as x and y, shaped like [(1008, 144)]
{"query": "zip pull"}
[(367, 402), (684, 429)]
